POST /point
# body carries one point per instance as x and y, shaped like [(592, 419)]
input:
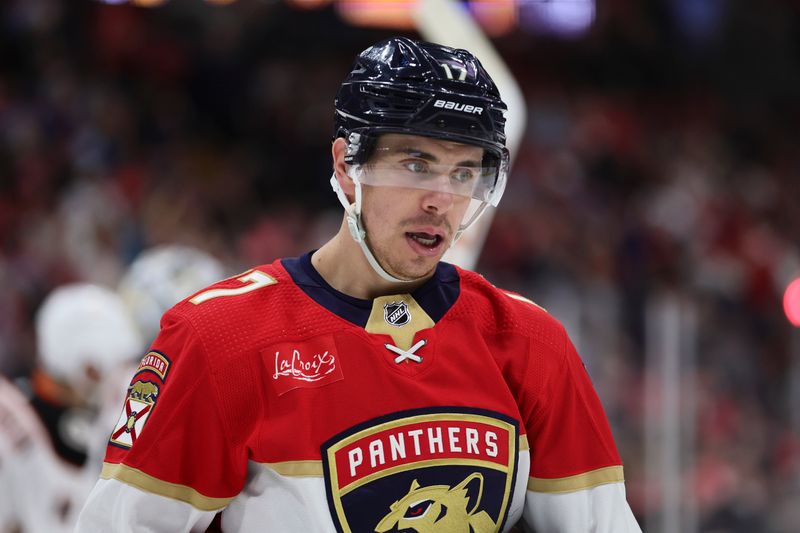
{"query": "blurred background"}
[(653, 207)]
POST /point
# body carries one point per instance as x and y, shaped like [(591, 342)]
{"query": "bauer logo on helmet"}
[(455, 106)]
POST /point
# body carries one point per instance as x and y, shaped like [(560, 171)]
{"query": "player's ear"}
[(338, 151)]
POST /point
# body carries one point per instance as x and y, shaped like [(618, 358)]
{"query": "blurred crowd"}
[(656, 161)]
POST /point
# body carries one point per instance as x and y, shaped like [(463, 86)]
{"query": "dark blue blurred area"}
[(661, 155)]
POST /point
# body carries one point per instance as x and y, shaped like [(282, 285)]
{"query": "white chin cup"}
[(356, 227)]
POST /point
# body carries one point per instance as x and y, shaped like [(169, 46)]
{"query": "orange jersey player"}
[(368, 386)]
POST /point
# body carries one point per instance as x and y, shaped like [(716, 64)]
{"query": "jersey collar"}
[(436, 296)]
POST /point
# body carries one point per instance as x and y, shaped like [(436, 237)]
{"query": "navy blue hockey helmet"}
[(405, 86)]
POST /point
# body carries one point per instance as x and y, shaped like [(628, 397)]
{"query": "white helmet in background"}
[(82, 326), (162, 276)]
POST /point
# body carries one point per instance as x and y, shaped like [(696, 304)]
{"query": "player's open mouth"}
[(426, 239), (426, 244)]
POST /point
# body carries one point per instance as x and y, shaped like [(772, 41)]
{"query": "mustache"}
[(429, 220)]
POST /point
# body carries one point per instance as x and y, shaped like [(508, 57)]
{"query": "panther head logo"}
[(440, 509)]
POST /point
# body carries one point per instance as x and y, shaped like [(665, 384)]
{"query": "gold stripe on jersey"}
[(148, 483), (403, 335), (314, 468), (523, 299), (587, 480), (297, 468)]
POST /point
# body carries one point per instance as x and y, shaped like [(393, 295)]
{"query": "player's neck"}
[(342, 264)]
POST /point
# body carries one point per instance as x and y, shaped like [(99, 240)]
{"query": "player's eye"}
[(418, 509), (416, 166), (463, 175)]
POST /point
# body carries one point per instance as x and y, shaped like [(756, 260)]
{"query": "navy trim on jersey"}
[(436, 296)]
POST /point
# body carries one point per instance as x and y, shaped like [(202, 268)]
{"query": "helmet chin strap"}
[(356, 227)]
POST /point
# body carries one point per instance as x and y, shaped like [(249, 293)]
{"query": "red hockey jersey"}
[(295, 407)]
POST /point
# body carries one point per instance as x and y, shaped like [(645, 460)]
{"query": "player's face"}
[(409, 229)]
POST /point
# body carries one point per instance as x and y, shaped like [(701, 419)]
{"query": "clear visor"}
[(389, 167)]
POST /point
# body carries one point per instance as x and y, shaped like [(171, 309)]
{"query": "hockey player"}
[(52, 440), (162, 276), (368, 386)]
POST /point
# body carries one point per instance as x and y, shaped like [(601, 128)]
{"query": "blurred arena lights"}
[(565, 18), (791, 302), (148, 3), (396, 14), (496, 17), (308, 4), (156, 3)]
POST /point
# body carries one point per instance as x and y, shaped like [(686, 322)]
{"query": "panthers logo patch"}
[(447, 469), (139, 404)]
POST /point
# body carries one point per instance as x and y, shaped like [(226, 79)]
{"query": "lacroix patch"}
[(308, 364)]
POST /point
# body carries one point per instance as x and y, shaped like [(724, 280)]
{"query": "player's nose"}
[(438, 202)]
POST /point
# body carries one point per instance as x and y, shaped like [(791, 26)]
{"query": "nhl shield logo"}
[(138, 406), (396, 313), (447, 469)]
